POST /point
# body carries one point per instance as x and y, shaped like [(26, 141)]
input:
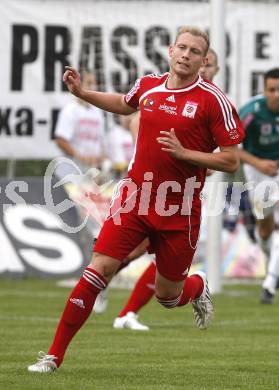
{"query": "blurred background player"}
[(260, 154), (143, 290), (209, 70), (80, 132), (119, 149), (120, 146)]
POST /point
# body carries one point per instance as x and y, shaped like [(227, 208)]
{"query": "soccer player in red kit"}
[(183, 119), (143, 290)]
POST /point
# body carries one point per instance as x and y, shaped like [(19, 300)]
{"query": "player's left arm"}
[(225, 160)]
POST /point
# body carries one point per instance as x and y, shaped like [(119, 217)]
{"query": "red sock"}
[(76, 312), (142, 292), (193, 287)]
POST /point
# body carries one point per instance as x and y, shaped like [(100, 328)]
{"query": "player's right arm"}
[(112, 102), (267, 167), (65, 145), (70, 151)]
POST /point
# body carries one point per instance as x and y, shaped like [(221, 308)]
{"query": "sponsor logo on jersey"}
[(190, 109), (168, 109), (148, 104), (171, 99)]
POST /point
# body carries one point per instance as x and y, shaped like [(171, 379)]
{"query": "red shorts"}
[(173, 238)]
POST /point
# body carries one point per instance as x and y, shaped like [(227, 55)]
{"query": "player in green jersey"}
[(260, 154)]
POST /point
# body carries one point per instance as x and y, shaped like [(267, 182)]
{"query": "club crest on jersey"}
[(190, 109), (148, 104), (266, 129)]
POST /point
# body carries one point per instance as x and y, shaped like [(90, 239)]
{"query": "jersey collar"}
[(188, 88)]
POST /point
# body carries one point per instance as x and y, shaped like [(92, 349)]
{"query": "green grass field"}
[(239, 351)]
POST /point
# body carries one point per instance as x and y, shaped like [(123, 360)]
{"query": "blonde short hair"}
[(196, 32)]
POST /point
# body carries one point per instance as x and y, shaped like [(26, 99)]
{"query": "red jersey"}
[(202, 117)]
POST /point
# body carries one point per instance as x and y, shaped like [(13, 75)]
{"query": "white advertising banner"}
[(119, 40), (37, 237)]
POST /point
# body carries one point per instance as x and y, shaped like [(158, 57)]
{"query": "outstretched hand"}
[(268, 167), (71, 78), (171, 144)]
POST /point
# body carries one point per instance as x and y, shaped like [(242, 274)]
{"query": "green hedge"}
[(25, 167)]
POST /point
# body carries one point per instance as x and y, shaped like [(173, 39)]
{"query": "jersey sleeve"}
[(133, 96), (225, 124)]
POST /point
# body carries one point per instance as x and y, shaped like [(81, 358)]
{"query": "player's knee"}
[(169, 302), (105, 265)]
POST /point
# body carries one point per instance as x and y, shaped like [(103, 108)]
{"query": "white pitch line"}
[(32, 294), (25, 318), (170, 324), (243, 322)]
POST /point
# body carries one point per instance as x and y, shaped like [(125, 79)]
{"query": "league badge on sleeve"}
[(190, 109)]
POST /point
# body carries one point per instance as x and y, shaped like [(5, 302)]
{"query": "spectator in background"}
[(209, 70), (120, 146), (80, 132), (260, 154)]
